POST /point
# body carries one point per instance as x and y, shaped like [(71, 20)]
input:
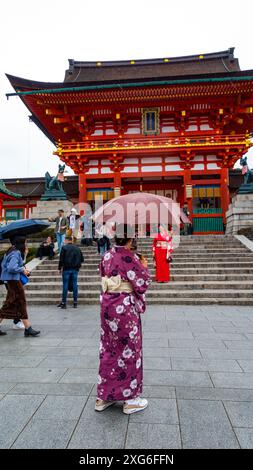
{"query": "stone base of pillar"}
[(240, 213)]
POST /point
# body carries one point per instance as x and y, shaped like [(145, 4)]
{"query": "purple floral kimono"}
[(121, 372)]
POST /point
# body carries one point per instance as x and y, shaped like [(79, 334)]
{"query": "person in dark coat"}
[(46, 249), (71, 259), (12, 270), (103, 242), (187, 230)]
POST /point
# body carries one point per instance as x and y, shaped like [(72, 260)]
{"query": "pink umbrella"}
[(140, 208)]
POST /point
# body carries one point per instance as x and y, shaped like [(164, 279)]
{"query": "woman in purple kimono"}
[(125, 278)]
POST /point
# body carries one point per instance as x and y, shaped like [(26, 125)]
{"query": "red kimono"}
[(162, 248)]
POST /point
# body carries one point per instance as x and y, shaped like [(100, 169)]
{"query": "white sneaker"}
[(101, 405), (18, 326), (135, 405)]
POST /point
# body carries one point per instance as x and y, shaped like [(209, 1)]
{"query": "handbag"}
[(168, 258), (24, 279)]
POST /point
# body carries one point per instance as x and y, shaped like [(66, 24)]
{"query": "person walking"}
[(124, 281), (162, 249), (46, 249), (71, 259), (13, 270), (61, 225)]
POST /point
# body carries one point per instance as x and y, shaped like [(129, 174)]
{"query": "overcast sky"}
[(38, 37)]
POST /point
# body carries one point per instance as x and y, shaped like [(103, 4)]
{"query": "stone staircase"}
[(213, 269)]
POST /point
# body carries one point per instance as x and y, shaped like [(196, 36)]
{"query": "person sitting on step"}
[(46, 248)]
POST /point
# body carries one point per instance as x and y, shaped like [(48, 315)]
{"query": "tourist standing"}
[(162, 249), (13, 272), (73, 224), (61, 225), (187, 225), (86, 227), (103, 242), (71, 259), (46, 248), (124, 281)]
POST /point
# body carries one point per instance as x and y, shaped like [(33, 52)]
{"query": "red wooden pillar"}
[(224, 190), (27, 211), (82, 186), (1, 208), (117, 183)]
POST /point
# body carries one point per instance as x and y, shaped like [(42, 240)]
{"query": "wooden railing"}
[(152, 143)]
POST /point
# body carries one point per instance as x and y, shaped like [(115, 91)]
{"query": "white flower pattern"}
[(131, 275), (120, 309), (121, 363), (113, 325), (127, 353), (126, 300), (133, 384), (138, 363)]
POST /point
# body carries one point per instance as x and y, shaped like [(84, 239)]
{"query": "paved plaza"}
[(198, 378)]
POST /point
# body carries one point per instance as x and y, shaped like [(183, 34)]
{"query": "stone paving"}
[(198, 377)]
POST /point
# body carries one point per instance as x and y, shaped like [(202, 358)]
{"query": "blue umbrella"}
[(23, 227)]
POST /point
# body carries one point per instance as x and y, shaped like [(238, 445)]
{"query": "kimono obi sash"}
[(115, 284), (162, 244)]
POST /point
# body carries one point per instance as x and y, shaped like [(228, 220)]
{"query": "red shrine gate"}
[(172, 126)]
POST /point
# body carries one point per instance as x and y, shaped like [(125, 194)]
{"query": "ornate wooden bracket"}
[(187, 158)]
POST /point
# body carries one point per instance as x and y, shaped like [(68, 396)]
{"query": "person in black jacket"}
[(70, 262), (46, 248)]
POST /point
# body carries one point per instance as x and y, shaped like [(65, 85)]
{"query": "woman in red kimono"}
[(162, 249)]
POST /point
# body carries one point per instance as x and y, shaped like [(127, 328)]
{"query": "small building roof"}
[(35, 187), (6, 193)]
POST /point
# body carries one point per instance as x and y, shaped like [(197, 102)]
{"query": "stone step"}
[(176, 256), (154, 301), (192, 242), (174, 272), (89, 269), (205, 270), (188, 293), (173, 277), (221, 264), (216, 285), (211, 271)]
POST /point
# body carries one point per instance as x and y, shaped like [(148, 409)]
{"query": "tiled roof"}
[(216, 62)]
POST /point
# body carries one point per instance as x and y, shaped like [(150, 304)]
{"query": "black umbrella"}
[(23, 227)]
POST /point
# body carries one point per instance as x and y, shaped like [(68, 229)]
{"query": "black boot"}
[(62, 305), (2, 333), (75, 304), (30, 332)]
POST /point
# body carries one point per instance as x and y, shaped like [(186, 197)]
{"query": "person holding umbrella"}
[(125, 279), (14, 273)]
